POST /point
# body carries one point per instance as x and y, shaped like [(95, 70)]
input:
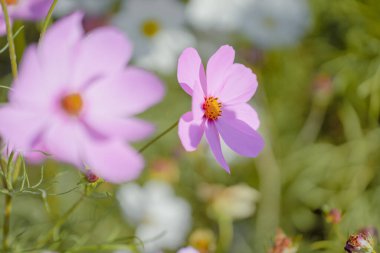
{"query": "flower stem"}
[(158, 137), (12, 50), (7, 222), (48, 19)]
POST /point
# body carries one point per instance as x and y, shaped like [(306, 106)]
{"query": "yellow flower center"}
[(72, 104), (150, 28), (212, 108), (11, 2)]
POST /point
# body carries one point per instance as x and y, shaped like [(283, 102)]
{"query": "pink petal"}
[(65, 141), (217, 67), (103, 51), (128, 129), (197, 102), (57, 50), (32, 9), (20, 128), (191, 70), (130, 92), (213, 140), (190, 131), (30, 90), (114, 161), (3, 28), (240, 85), (240, 137), (243, 112)]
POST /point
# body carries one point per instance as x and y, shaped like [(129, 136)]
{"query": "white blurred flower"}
[(219, 15), (157, 29), (90, 7), (162, 220), (276, 23), (188, 250)]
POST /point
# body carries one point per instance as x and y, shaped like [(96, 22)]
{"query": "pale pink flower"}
[(75, 99), (188, 250), (219, 104), (25, 10)]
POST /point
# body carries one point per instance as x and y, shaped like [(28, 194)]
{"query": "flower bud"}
[(283, 244), (360, 243), (334, 216)]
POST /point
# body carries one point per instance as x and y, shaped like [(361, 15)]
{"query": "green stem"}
[(59, 223), (158, 137), (12, 50), (7, 222), (48, 19), (226, 233)]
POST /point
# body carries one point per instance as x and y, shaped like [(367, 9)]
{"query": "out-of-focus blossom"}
[(371, 232), (283, 244), (188, 250), (219, 104), (157, 28), (235, 202), (25, 10), (219, 15), (75, 99), (165, 169), (333, 216), (90, 7), (360, 243), (203, 240), (162, 219), (276, 23)]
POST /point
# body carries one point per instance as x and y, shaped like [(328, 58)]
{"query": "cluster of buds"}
[(283, 244), (333, 216), (360, 243)]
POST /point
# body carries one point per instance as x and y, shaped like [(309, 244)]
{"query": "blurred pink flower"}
[(219, 104), (75, 99), (25, 10), (188, 250)]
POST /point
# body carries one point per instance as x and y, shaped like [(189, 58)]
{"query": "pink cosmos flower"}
[(219, 104), (25, 10), (188, 250), (75, 99)]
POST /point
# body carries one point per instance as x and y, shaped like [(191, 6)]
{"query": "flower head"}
[(360, 243), (157, 213), (25, 10), (75, 99), (158, 29), (283, 244), (276, 23), (219, 104)]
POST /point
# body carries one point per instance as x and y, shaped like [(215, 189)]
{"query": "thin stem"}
[(59, 223), (7, 222), (158, 137), (12, 50), (7, 209), (48, 19)]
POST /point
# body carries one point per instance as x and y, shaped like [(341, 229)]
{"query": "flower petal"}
[(56, 50), (32, 9), (190, 131), (217, 67), (130, 92), (128, 129), (191, 70), (113, 161), (103, 51), (65, 142), (239, 86), (240, 137), (243, 112), (197, 101), (213, 140), (13, 122)]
